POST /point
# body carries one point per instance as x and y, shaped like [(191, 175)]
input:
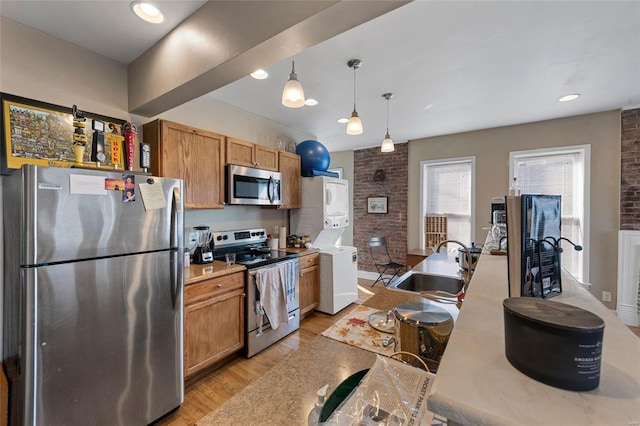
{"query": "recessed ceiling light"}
[(343, 120), (259, 74), (568, 98), (147, 12), (311, 102)]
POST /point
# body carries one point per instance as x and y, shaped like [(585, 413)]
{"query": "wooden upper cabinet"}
[(290, 168), (248, 154), (194, 155)]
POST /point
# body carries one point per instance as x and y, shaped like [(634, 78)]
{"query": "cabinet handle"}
[(301, 274), (219, 286)]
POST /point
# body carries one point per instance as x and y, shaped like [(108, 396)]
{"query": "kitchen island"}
[(476, 384)]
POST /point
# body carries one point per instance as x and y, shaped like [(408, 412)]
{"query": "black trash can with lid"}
[(554, 343)]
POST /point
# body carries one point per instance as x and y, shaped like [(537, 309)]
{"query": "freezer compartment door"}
[(71, 214), (106, 341)]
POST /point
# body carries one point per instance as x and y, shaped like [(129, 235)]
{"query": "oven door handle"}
[(273, 265)]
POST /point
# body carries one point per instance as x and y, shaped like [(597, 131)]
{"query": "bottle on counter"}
[(514, 189), (314, 414)]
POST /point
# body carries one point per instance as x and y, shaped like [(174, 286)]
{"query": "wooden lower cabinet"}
[(213, 321), (309, 283)]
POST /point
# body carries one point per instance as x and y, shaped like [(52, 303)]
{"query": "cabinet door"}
[(309, 283), (266, 158), (213, 330), (289, 165), (240, 152), (194, 155), (248, 154)]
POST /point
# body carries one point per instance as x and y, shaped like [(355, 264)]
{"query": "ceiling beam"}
[(224, 41)]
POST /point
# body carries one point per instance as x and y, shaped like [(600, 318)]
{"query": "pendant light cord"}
[(354, 88), (387, 116)]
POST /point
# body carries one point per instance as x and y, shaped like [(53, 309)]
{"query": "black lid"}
[(554, 314)]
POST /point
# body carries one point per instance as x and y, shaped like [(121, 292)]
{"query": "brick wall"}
[(630, 171), (392, 225)]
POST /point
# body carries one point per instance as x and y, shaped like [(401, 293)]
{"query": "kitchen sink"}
[(417, 282)]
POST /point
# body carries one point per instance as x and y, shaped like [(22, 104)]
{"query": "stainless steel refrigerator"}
[(93, 286)]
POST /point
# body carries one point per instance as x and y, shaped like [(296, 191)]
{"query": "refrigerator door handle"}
[(177, 257)]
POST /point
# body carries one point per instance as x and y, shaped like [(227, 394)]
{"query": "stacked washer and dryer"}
[(324, 214)]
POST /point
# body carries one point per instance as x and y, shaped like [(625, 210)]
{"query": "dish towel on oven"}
[(272, 288)]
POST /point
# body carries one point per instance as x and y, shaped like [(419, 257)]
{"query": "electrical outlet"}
[(606, 296)]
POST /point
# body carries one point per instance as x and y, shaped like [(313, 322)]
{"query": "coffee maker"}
[(203, 252)]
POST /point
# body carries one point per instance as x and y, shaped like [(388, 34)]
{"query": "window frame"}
[(423, 201), (585, 151)]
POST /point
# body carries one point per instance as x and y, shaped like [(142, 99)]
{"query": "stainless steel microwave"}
[(256, 187)]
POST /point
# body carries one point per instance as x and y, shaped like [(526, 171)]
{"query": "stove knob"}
[(226, 237), (219, 238)]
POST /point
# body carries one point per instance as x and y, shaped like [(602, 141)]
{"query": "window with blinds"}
[(564, 172), (447, 188)]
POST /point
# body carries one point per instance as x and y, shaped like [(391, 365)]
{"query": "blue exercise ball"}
[(313, 156)]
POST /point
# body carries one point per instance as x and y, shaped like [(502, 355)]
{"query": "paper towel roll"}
[(282, 238)]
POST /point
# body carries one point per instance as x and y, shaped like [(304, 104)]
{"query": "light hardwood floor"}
[(208, 392)]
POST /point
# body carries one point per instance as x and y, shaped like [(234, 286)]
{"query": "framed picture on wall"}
[(377, 205), (34, 132)]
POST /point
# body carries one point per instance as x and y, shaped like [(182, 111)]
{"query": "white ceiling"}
[(452, 66)]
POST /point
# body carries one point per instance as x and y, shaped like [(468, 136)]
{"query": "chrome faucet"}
[(466, 249), (466, 278), (500, 242)]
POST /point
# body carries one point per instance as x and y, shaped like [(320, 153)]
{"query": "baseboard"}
[(367, 275)]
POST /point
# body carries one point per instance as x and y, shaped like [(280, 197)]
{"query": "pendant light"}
[(293, 95), (354, 126), (387, 143)]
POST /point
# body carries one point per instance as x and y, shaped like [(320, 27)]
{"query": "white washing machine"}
[(338, 278)]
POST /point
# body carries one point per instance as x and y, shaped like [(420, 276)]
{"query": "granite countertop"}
[(286, 394), (301, 251), (443, 263), (195, 273)]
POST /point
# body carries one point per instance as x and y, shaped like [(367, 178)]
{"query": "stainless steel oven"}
[(259, 332), (251, 250), (246, 185)]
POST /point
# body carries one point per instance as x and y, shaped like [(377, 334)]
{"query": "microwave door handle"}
[(270, 189)]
